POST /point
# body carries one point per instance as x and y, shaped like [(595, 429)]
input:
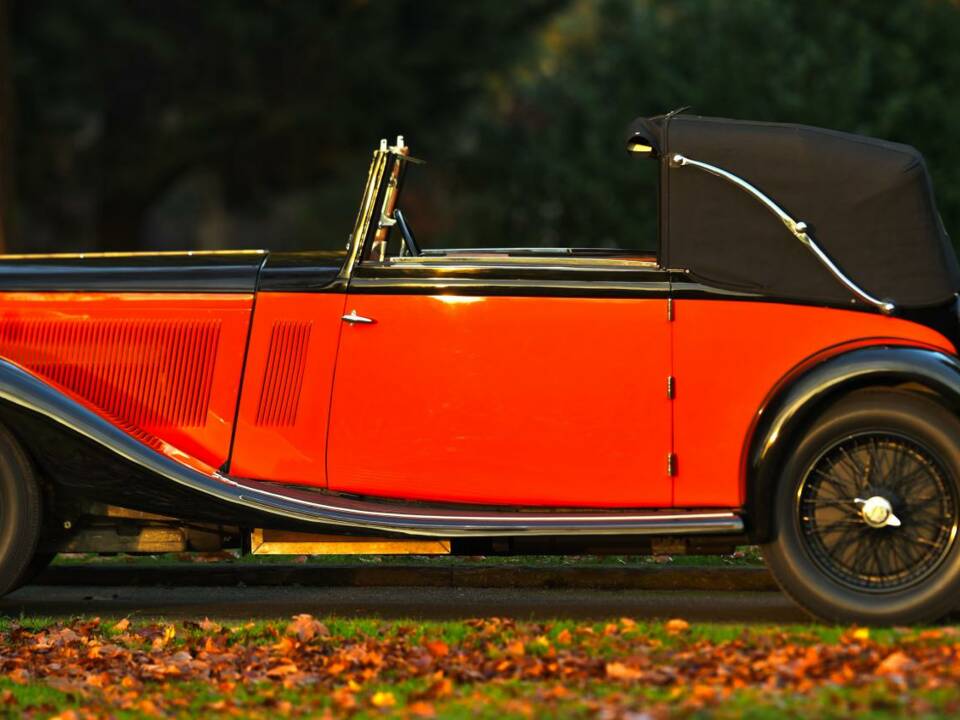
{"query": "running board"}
[(393, 517)]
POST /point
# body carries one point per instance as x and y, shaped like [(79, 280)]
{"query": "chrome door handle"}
[(354, 318)]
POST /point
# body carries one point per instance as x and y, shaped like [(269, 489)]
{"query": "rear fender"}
[(817, 383)]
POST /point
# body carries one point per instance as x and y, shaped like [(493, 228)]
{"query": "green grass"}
[(579, 696), (454, 632), (511, 699)]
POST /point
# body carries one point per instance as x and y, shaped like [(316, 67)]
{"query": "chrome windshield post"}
[(797, 228)]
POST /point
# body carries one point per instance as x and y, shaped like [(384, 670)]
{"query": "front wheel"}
[(20, 509), (866, 512)]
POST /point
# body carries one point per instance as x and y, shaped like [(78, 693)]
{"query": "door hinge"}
[(671, 386), (671, 464), (670, 309)]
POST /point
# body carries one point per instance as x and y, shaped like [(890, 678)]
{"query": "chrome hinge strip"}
[(798, 228), (671, 464), (670, 309), (671, 386)]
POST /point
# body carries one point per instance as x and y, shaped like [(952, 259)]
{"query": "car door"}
[(505, 386)]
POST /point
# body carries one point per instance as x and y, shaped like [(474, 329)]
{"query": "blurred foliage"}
[(145, 124), (6, 135), (118, 102), (558, 121)]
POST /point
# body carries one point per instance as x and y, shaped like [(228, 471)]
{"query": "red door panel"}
[(282, 424), (727, 357), (167, 363), (504, 400)]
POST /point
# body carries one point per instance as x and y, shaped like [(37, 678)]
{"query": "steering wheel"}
[(408, 239)]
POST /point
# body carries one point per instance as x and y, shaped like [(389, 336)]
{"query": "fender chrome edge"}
[(148, 475)]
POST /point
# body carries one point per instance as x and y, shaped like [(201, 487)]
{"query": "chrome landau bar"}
[(797, 227)]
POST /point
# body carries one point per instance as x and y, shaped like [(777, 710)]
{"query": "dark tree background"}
[(136, 124), (6, 128)]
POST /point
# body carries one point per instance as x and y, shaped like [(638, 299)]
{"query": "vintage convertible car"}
[(782, 371)]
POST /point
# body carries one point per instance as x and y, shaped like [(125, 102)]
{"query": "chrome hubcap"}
[(877, 512)]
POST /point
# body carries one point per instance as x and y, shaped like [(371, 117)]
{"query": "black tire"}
[(840, 561), (20, 512)]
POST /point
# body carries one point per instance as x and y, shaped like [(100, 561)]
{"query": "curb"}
[(531, 577)]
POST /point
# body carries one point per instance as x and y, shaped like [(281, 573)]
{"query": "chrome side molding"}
[(314, 506), (797, 228)]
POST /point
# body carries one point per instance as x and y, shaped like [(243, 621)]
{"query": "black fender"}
[(816, 383), (85, 454)]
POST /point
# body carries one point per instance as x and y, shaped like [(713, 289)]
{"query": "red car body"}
[(559, 399), (298, 392)]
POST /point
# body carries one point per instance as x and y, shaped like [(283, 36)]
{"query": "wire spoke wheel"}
[(877, 512)]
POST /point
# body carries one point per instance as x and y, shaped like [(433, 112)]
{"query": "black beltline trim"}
[(199, 272), (303, 272)]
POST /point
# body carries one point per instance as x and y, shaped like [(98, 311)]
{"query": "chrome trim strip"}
[(534, 262), (22, 388), (798, 228), (380, 517), (504, 286), (540, 264)]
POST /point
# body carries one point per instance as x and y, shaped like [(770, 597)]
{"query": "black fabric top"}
[(868, 203)]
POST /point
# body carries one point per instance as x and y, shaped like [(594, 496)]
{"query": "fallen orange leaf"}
[(619, 671), (516, 649), (421, 709), (896, 663), (19, 676), (437, 648)]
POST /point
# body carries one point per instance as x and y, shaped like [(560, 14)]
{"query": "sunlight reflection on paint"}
[(456, 299)]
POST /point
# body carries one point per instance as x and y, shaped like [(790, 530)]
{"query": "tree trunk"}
[(7, 194)]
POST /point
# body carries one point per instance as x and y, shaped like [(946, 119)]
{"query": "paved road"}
[(396, 602)]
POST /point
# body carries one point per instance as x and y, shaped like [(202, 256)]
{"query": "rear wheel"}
[(866, 512), (20, 512)]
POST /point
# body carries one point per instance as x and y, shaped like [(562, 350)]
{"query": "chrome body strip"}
[(386, 516), (146, 473), (798, 228), (456, 264)]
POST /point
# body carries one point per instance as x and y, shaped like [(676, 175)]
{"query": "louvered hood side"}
[(169, 364)]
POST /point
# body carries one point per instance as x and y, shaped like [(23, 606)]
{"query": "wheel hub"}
[(877, 512)]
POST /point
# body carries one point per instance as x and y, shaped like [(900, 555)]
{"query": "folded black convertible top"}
[(869, 203)]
